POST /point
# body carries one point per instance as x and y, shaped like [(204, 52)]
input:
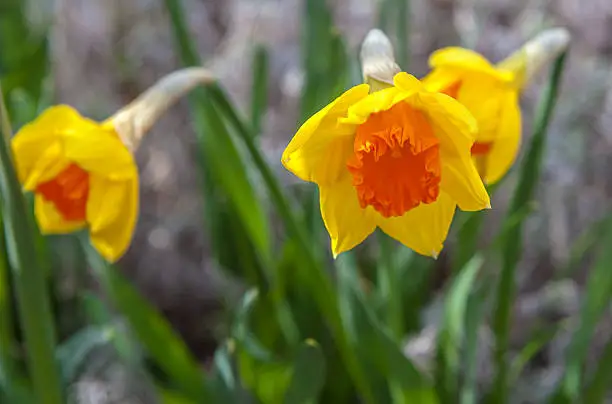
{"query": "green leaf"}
[(318, 282), (259, 88), (8, 343), (72, 354), (374, 344), (584, 243), (23, 61), (452, 333), (455, 306), (225, 381), (152, 330), (268, 381), (219, 156), (402, 27), (17, 392), (227, 169), (308, 376), (474, 318), (597, 297), (35, 315), (390, 286), (536, 343), (260, 372), (599, 385), (469, 225), (512, 244)]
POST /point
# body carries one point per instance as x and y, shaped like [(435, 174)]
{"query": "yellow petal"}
[(407, 82), (346, 222), (100, 151), (453, 123), (440, 79), (461, 181), (112, 210), (483, 97), (423, 228), (37, 144), (50, 163), (455, 127), (466, 60), (104, 203), (375, 102), (507, 143), (49, 219), (319, 150)]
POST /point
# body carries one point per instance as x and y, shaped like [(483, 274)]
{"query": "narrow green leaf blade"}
[(259, 88), (35, 314), (308, 375), (153, 331), (597, 298), (374, 345), (72, 354), (599, 385), (511, 250)]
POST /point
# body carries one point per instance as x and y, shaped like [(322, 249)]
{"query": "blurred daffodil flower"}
[(397, 158), (83, 173), (491, 93), (82, 176)]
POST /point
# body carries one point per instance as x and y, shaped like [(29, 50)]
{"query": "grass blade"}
[(401, 28), (511, 249), (7, 337), (376, 348), (220, 157), (72, 354), (31, 289), (597, 297), (259, 88), (473, 319), (165, 347), (599, 386), (323, 292), (390, 287), (452, 333), (308, 376)]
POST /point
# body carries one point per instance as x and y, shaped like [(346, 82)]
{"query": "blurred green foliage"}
[(308, 329)]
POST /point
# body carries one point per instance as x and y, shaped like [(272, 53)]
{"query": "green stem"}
[(511, 254), (29, 280)]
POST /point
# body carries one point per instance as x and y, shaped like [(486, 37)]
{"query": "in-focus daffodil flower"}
[(398, 159), (490, 93), (83, 172), (82, 175)]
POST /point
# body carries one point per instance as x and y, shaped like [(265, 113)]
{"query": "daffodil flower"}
[(82, 175), (491, 93), (83, 172), (398, 159)]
